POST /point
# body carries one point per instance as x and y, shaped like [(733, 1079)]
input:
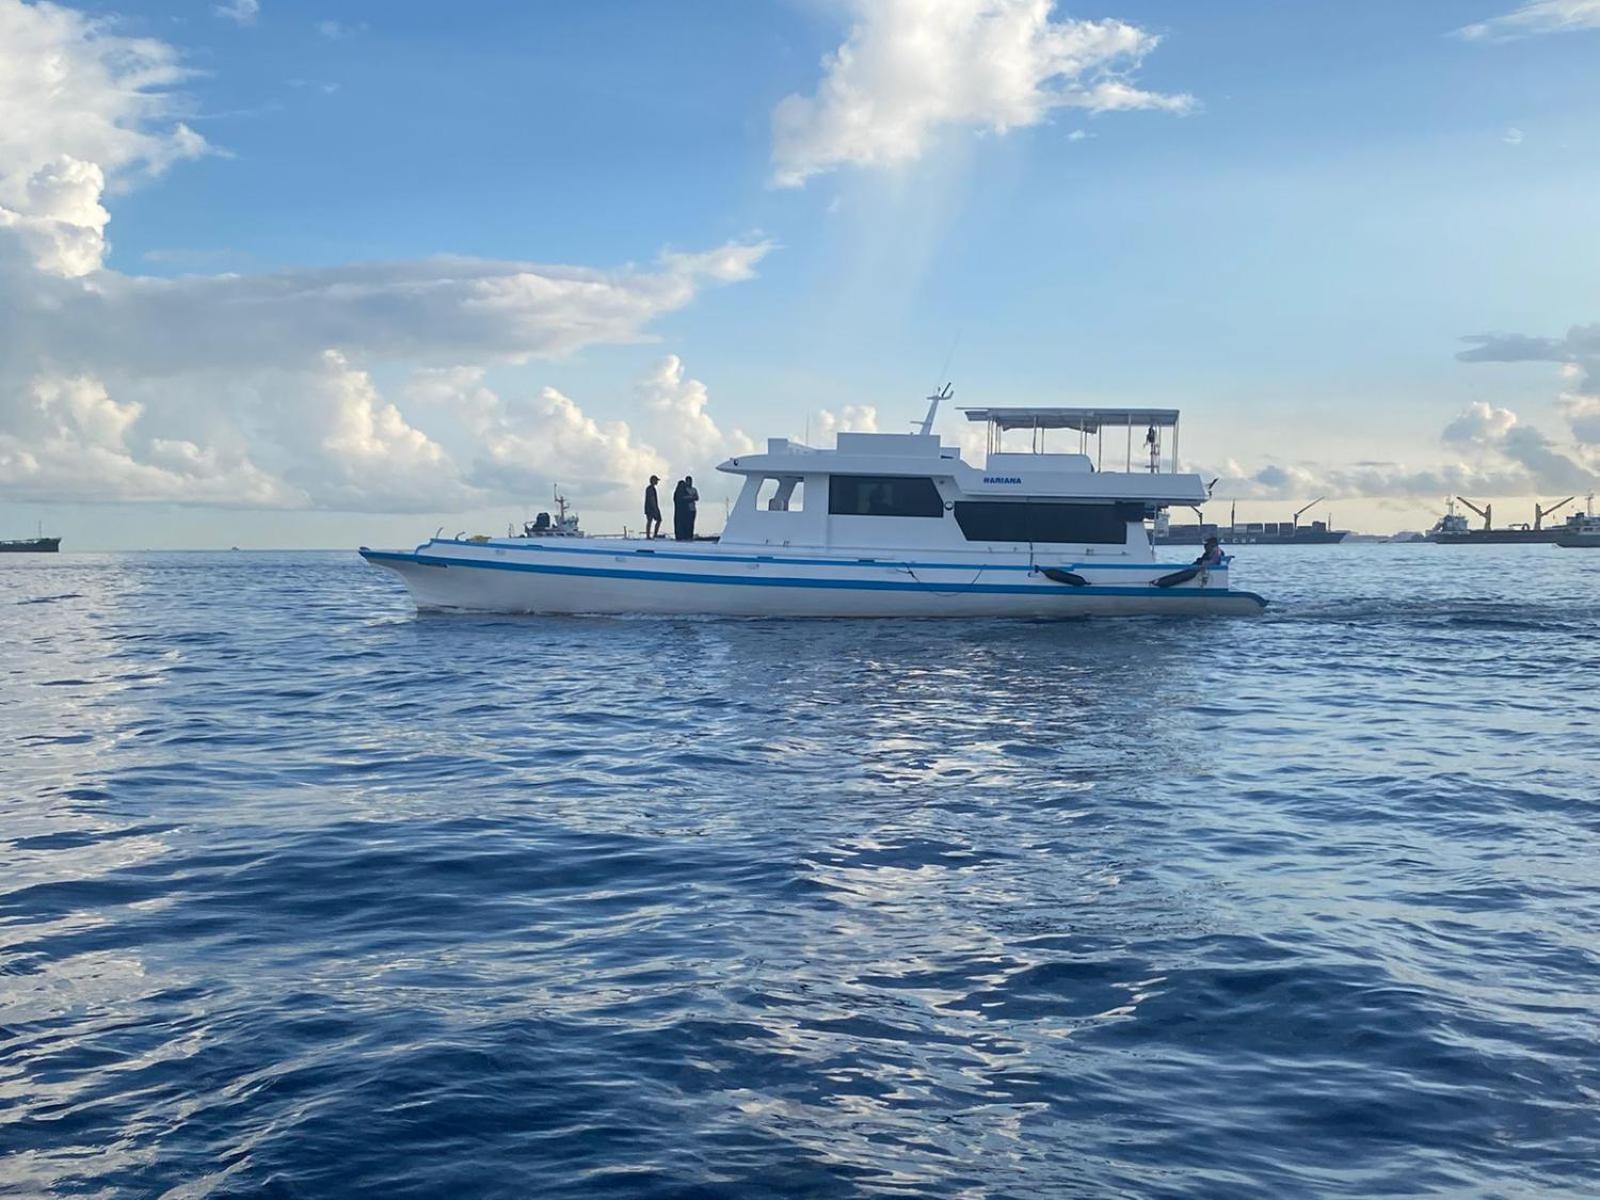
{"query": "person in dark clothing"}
[(1212, 555), (652, 509), (680, 510), (691, 506)]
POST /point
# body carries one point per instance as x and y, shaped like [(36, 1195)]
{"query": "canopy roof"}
[(1089, 420)]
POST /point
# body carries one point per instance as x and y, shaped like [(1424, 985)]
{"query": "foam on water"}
[(303, 895)]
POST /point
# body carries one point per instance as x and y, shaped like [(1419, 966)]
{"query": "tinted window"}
[(883, 496), (1013, 521)]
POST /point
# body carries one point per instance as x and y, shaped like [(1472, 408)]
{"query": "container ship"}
[(1251, 533), (33, 545), (1453, 529)]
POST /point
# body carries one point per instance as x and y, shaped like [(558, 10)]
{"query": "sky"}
[(278, 273)]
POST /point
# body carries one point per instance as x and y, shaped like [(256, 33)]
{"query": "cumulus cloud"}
[(1536, 17), (522, 446), (911, 68), (1480, 424), (550, 439), (61, 223), (1500, 454), (66, 437), (70, 85), (1578, 353), (852, 418), (678, 409), (348, 448), (257, 390)]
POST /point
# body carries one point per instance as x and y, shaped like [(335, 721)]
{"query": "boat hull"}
[(40, 545), (641, 578), (1497, 537), (1241, 538)]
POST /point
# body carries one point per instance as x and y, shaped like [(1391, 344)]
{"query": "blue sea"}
[(303, 895)]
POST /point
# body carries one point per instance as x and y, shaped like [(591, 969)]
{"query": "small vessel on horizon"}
[(881, 525)]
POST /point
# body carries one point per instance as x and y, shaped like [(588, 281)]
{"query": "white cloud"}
[(550, 440), (350, 449), (682, 425), (1512, 136), (523, 446), (256, 390), (852, 418), (1480, 424), (442, 310), (911, 68), (240, 12), (1536, 17), (65, 437), (71, 86), (1577, 352), (1502, 456), (60, 222)]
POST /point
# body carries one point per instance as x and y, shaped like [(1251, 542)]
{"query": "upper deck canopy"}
[(1084, 420)]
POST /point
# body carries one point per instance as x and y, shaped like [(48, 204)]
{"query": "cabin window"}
[(781, 493), (1018, 521), (883, 496)]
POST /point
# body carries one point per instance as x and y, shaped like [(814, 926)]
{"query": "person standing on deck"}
[(652, 509), (1211, 556), (679, 516), (691, 505)]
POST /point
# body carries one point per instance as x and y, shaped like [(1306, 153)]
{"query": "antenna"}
[(943, 393)]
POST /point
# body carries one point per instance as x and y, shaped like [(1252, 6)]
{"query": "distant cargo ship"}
[(37, 545), (1251, 533), (1452, 529)]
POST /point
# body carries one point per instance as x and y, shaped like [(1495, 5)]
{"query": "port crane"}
[(1305, 510), (1486, 512), (1539, 514)]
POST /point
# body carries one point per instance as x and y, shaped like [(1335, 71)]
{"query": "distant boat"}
[(36, 545)]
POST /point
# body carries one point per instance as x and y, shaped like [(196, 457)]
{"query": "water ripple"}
[(301, 895)]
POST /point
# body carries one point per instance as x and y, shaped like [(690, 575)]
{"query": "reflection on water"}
[(302, 894)]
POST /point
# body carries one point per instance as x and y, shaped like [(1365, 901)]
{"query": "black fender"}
[(1060, 576), (1178, 577)]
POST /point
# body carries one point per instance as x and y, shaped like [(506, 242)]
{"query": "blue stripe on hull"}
[(876, 585), (564, 546)]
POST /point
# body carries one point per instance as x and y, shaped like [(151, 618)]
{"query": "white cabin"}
[(910, 492)]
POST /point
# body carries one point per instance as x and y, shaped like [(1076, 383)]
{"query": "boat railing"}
[(1157, 452)]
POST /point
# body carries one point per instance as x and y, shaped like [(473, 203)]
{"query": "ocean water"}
[(302, 895)]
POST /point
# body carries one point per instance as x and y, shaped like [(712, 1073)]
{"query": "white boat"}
[(882, 525)]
